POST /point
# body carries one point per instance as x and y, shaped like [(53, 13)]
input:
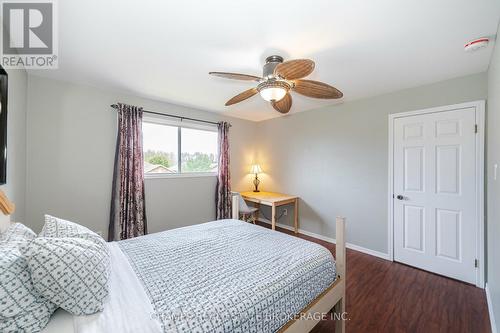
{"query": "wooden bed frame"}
[(332, 299)]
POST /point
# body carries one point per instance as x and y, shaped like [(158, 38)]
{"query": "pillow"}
[(56, 227), (71, 272), (15, 232), (59, 228), (22, 308)]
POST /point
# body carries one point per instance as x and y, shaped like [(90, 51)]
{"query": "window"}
[(198, 150), (160, 144), (173, 149)]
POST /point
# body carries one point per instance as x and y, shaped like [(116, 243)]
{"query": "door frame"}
[(479, 106)]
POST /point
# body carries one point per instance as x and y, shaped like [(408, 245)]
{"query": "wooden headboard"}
[(6, 206)]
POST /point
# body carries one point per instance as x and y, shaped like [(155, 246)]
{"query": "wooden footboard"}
[(332, 298)]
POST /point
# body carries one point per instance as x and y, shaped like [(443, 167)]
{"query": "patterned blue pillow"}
[(72, 272), (56, 227), (22, 308), (17, 231)]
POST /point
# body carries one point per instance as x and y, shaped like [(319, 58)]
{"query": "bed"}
[(221, 276)]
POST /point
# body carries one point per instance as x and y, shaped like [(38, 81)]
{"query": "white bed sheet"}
[(127, 308)]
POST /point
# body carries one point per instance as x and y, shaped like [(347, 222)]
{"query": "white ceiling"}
[(165, 49)]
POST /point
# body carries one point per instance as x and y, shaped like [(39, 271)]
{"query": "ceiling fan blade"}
[(284, 104), (295, 69), (316, 89), (241, 97), (236, 76)]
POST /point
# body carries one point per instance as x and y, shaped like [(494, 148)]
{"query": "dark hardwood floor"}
[(384, 296)]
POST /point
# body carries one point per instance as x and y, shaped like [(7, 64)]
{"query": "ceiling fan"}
[(278, 79)]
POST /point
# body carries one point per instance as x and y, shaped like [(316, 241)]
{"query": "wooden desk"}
[(274, 200)]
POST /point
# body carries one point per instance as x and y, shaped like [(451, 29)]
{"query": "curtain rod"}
[(115, 106)]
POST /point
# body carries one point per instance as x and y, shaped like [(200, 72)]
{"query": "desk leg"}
[(273, 217), (296, 217), (257, 205)]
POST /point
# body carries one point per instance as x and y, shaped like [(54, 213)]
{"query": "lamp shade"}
[(255, 169)]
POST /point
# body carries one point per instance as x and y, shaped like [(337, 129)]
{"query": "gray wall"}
[(70, 148), (336, 158), (492, 186), (16, 142)]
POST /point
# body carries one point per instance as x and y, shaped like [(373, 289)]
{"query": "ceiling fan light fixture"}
[(273, 90), (272, 94), (278, 80)]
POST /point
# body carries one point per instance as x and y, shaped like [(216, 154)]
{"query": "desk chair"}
[(247, 213)]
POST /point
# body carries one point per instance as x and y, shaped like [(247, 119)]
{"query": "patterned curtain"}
[(128, 207), (223, 195)]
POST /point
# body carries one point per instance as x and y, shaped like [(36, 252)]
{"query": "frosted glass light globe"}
[(273, 93)]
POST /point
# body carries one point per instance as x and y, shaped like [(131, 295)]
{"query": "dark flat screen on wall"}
[(3, 126)]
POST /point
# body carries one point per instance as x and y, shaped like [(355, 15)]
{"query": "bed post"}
[(340, 258), (340, 246), (235, 206)]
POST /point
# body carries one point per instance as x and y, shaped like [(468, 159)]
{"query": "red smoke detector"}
[(476, 44)]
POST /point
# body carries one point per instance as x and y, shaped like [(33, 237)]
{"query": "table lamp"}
[(256, 169)]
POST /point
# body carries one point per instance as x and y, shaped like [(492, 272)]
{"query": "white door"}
[(435, 192)]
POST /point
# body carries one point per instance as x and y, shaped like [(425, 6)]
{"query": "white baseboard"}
[(374, 253), (332, 240), (490, 310)]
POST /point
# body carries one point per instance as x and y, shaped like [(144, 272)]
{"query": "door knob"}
[(400, 197)]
